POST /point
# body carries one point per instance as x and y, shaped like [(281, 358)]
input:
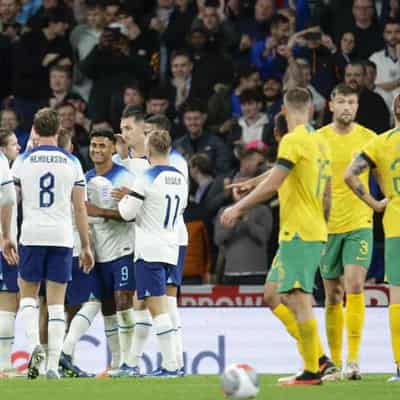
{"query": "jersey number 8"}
[(46, 194)]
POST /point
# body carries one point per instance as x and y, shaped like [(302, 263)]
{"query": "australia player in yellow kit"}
[(349, 249), (383, 154), (302, 178)]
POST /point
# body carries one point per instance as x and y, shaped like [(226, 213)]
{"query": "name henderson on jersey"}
[(48, 159)]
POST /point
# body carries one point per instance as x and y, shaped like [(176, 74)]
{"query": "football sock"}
[(394, 317), (176, 324), (126, 326), (56, 333), (143, 323), (165, 333), (29, 313), (286, 316), (320, 347), (309, 343), (79, 325), (112, 336), (334, 316), (355, 315), (7, 321)]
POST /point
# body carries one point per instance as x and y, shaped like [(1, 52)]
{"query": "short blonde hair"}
[(159, 140)]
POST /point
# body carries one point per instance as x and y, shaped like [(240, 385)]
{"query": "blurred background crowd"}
[(218, 70)]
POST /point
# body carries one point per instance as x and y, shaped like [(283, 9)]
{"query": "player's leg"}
[(357, 254), (174, 281), (300, 262), (331, 269), (58, 274), (124, 286), (83, 297), (31, 273), (151, 285), (8, 309), (392, 261)]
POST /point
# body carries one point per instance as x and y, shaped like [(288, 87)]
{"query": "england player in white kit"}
[(8, 274), (157, 200), (134, 128), (48, 178)]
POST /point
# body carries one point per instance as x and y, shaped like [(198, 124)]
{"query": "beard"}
[(345, 120)]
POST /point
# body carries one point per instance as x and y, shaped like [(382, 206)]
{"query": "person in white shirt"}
[(157, 199), (9, 148), (387, 61), (48, 178), (134, 128)]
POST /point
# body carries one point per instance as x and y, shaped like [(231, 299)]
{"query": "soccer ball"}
[(240, 381)]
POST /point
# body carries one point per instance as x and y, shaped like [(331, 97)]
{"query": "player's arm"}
[(82, 224), (327, 199), (360, 164), (130, 205), (98, 212), (249, 184)]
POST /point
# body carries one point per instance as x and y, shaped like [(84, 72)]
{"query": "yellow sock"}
[(355, 315), (394, 317), (334, 331), (320, 347), (309, 343), (286, 316)]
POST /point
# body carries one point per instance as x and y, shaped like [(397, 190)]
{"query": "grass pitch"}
[(372, 387)]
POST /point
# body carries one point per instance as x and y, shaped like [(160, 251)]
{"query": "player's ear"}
[(331, 106)]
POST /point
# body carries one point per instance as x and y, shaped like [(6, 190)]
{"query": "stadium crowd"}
[(218, 70)]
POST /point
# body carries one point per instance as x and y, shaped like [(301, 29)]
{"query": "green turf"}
[(372, 387)]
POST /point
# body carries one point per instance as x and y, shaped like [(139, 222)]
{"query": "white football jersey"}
[(139, 165), (47, 176), (164, 191), (111, 239)]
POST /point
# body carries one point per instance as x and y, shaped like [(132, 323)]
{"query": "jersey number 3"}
[(46, 194), (168, 221)]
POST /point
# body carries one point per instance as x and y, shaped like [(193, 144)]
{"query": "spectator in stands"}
[(196, 139), (253, 125), (80, 137), (111, 65), (9, 120), (344, 55), (390, 9), (221, 31), (365, 26), (112, 8), (39, 19), (8, 25), (370, 83), (130, 95), (273, 96), (34, 55), (270, 55), (84, 37), (245, 245), (372, 111), (224, 105), (387, 61)]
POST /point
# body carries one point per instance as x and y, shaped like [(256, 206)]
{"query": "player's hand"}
[(119, 193), (230, 216), (380, 206), (49, 58), (10, 252), (242, 187), (86, 259)]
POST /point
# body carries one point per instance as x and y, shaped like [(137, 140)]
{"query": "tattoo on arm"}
[(360, 191), (359, 165)]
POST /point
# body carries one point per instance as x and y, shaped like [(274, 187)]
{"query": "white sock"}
[(143, 323), (29, 312), (165, 334), (79, 325), (126, 326), (56, 334), (111, 331), (173, 313), (7, 321)]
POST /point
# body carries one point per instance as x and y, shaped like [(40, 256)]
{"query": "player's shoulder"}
[(154, 172), (391, 134), (90, 175), (364, 132), (325, 130)]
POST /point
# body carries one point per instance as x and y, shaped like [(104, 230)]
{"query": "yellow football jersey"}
[(383, 152), (348, 212), (307, 156)]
